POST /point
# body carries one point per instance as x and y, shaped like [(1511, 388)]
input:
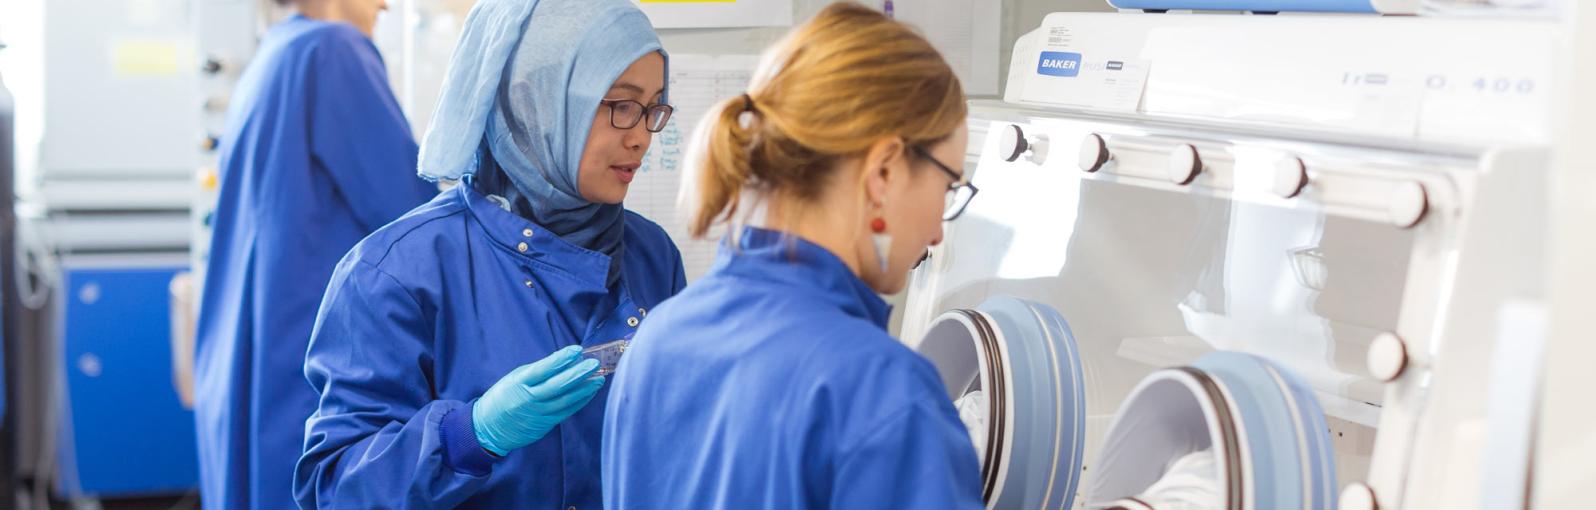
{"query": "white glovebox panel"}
[(1298, 252)]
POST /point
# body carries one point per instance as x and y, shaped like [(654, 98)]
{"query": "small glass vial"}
[(608, 355)]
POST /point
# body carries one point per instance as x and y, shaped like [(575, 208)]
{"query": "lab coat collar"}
[(525, 238), (787, 259)]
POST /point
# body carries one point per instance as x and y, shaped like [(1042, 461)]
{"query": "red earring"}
[(881, 241)]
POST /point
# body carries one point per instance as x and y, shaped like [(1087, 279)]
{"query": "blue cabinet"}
[(122, 429)]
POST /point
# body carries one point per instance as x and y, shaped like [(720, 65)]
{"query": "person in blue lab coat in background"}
[(316, 155), (447, 350), (772, 382)]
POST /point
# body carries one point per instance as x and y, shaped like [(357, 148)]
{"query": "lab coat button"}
[(521, 247), (529, 284), (632, 321), (526, 232)]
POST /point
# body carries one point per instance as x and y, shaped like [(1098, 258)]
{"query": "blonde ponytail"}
[(724, 169), (845, 79)]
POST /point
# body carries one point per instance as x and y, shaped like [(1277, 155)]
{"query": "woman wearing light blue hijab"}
[(447, 350)]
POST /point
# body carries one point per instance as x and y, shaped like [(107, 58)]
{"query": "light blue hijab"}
[(524, 85)]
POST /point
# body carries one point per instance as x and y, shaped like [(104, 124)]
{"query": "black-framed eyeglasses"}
[(625, 114), (959, 195)]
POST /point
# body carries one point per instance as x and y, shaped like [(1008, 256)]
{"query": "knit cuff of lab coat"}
[(461, 451)]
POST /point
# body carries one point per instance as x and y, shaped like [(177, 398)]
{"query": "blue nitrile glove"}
[(525, 405)]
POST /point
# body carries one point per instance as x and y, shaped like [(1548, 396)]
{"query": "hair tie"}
[(745, 119)]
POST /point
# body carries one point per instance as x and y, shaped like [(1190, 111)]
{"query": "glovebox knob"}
[(1094, 153), (1184, 164), (1013, 142)]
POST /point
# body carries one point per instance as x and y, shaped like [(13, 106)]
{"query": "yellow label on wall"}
[(135, 58)]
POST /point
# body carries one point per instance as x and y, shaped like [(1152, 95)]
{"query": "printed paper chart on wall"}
[(697, 82), (718, 13)]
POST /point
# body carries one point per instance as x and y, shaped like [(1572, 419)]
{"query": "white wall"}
[(1019, 17), (747, 41)]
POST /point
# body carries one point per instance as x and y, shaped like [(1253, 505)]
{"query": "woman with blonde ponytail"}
[(772, 382)]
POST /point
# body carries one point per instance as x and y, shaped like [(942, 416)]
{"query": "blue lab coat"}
[(423, 316), (772, 383), (316, 155)]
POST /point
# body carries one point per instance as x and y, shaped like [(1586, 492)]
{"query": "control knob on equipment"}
[(1408, 204), (1014, 144), (1094, 153), (1359, 496), (1184, 164), (1291, 176), (1388, 357)]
